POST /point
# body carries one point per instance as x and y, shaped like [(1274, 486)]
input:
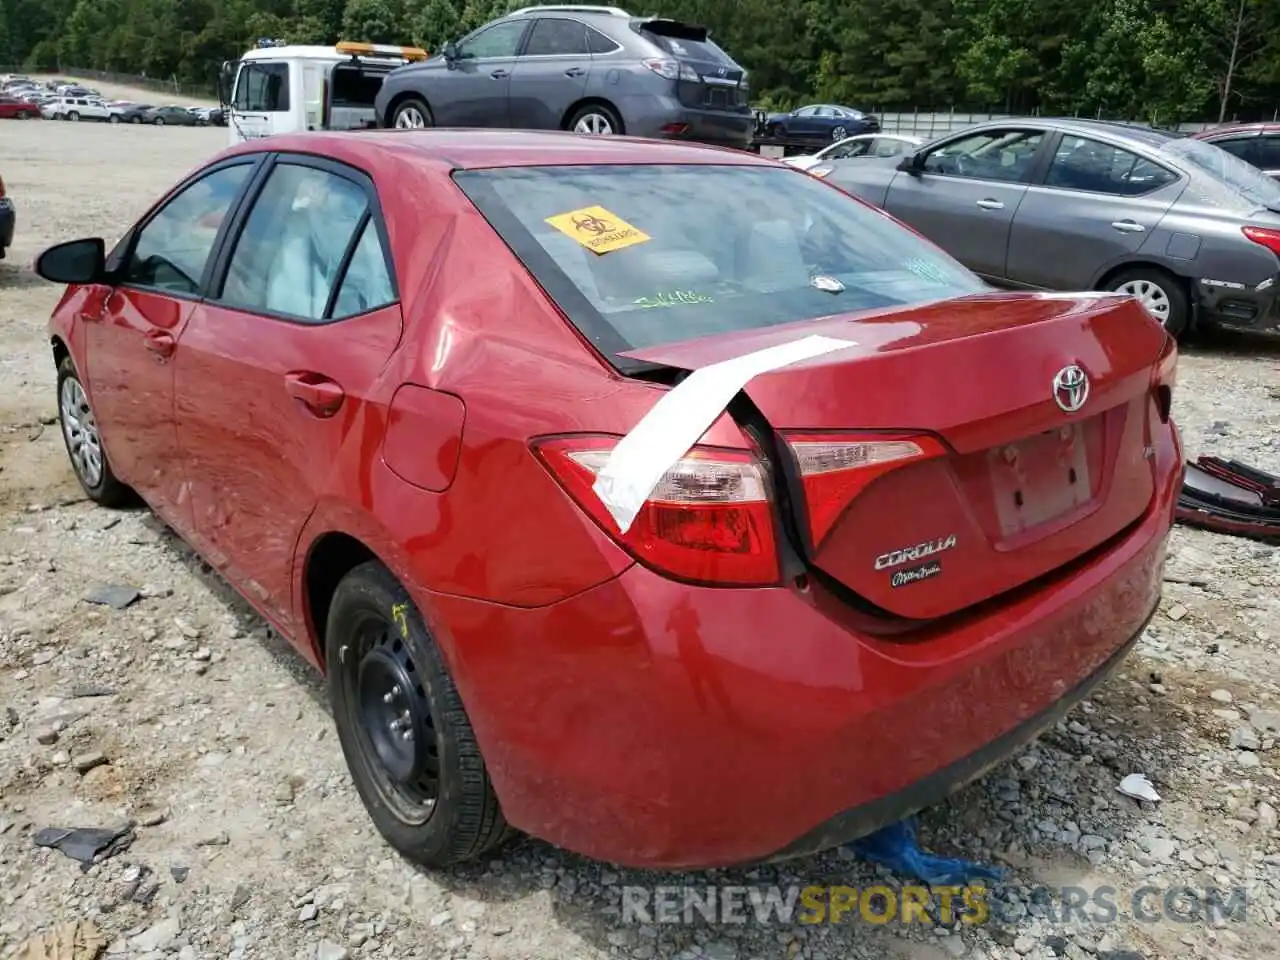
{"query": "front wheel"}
[(838, 134), (596, 120), (158, 121), (404, 732), (412, 114), (114, 118), (84, 441), (23, 115), (1162, 294), (73, 116)]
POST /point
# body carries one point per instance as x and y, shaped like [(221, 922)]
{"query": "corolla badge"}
[(903, 555), (1071, 388)]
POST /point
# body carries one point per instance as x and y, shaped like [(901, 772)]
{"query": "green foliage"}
[(1159, 60)]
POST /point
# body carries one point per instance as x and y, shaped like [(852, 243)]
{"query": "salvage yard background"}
[(252, 843)]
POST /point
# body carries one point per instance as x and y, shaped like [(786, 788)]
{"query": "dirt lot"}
[(251, 843)]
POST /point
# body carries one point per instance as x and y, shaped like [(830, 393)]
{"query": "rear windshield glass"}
[(1227, 171), (704, 50), (643, 255)]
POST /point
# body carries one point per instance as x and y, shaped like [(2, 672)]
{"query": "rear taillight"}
[(708, 520), (1265, 236), (1164, 377), (835, 468), (672, 70), (1, 188)]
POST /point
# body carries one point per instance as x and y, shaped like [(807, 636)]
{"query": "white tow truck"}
[(289, 88)]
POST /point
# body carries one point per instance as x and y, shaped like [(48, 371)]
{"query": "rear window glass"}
[(1226, 180), (643, 255), (705, 50)]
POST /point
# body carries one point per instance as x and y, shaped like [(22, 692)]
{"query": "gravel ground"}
[(183, 714)]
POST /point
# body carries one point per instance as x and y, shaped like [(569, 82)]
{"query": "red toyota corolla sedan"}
[(658, 500)]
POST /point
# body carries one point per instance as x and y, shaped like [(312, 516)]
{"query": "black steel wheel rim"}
[(393, 719)]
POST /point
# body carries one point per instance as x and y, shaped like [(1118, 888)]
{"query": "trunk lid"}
[(1018, 486)]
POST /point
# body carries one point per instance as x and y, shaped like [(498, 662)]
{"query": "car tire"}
[(398, 715), (23, 115), (114, 118), (158, 121), (838, 134), (73, 116), (596, 120), (83, 441), (1163, 294), (412, 114)]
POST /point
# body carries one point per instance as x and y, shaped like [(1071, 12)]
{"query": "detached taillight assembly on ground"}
[(710, 518), (835, 467)]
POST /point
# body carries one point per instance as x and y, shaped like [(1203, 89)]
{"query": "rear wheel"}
[(597, 120), (412, 114), (838, 134), (158, 121), (84, 442), (1161, 293), (404, 732)]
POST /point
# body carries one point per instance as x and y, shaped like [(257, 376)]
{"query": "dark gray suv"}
[(595, 70)]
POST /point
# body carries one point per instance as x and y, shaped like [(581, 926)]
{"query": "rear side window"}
[(647, 254), (1241, 147), (1084, 164), (554, 36), (599, 43)]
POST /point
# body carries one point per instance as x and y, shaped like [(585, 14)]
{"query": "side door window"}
[(557, 37), (1242, 147), (499, 40), (846, 151), (1269, 152), (1004, 156), (888, 147), (262, 88), (306, 224), (171, 251), (1084, 164)]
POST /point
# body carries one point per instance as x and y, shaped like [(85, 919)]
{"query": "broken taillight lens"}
[(1264, 236), (835, 468), (1164, 377), (709, 519)]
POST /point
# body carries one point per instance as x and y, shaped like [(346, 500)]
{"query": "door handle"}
[(160, 343), (1128, 226), (317, 392), (574, 72), (500, 74), (991, 204)]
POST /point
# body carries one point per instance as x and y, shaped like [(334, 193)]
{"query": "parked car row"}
[(1189, 229), (22, 98)]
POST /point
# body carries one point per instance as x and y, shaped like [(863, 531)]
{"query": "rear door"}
[(966, 194), (276, 369), (1097, 206), (476, 89), (551, 75)]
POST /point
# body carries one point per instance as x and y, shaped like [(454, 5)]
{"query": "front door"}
[(474, 91), (130, 342), (1097, 206), (551, 75), (965, 196), (262, 102), (275, 370)]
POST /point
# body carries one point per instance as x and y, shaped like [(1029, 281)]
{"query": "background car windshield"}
[(642, 255), (1241, 177)]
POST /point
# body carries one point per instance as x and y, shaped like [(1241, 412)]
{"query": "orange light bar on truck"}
[(380, 50)]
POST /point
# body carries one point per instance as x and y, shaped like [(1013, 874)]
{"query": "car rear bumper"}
[(651, 723), (1240, 305), (668, 119), (8, 218)]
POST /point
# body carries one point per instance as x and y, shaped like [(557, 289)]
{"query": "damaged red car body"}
[(878, 573)]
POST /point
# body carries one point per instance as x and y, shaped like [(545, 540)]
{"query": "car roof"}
[(1230, 129), (472, 149)]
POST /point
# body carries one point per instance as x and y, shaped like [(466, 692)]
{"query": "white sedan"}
[(862, 145)]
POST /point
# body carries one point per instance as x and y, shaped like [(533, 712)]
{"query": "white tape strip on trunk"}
[(682, 416)]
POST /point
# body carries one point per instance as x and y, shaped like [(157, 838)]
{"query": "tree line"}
[(1162, 61)]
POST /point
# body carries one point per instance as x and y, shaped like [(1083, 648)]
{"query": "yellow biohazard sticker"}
[(598, 230)]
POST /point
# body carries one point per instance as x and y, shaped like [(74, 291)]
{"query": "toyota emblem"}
[(1071, 388)]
